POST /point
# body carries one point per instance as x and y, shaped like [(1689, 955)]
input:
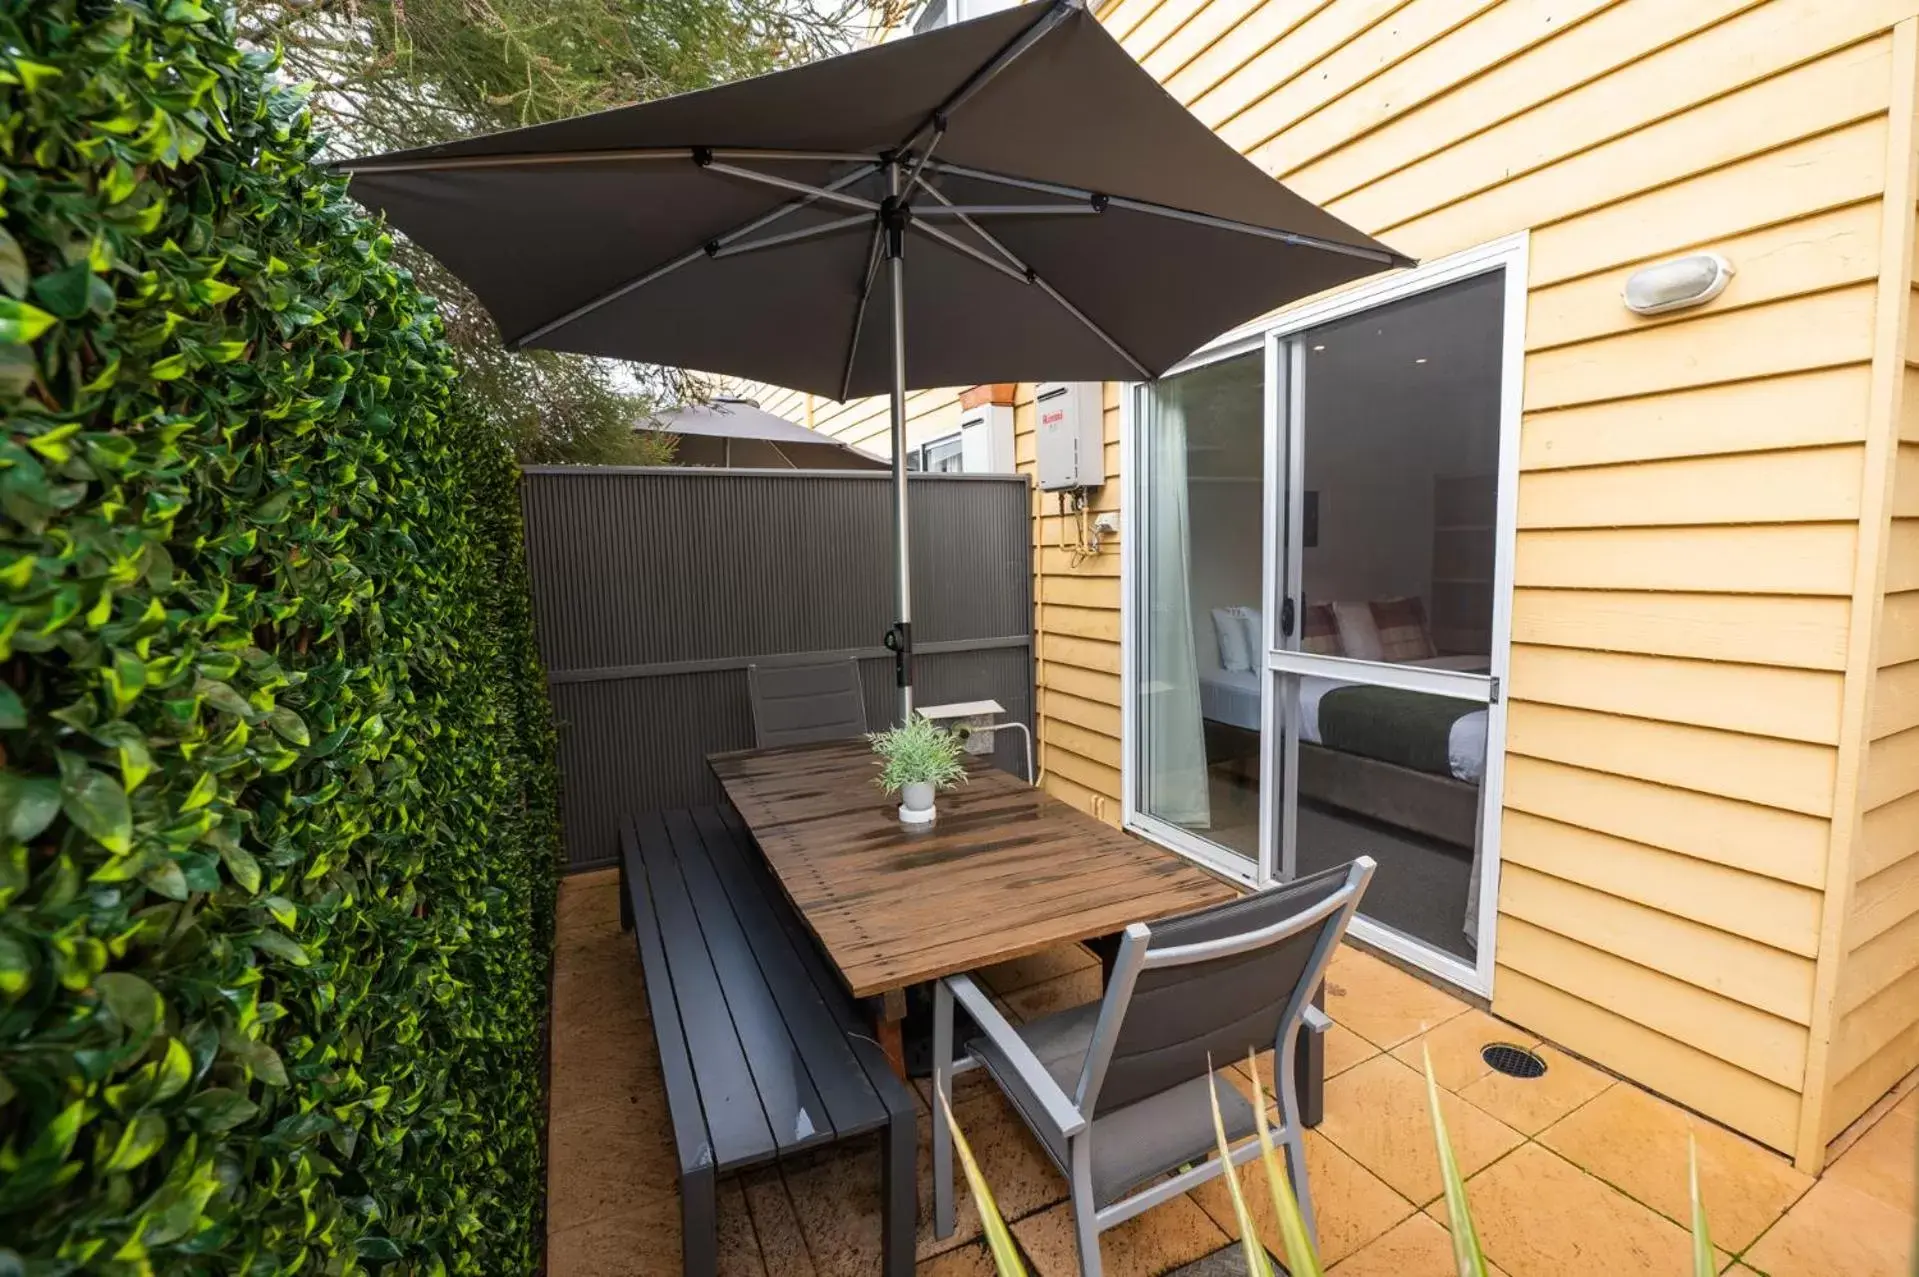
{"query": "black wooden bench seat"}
[(763, 1051)]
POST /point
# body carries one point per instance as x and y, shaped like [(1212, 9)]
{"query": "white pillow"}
[(1255, 633), (1231, 633), (1358, 633)]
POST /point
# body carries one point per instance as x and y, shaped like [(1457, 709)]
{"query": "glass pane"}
[(943, 456), (1202, 455), (1400, 486), (1394, 775)]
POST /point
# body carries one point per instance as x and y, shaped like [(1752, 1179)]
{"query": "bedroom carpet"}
[(1420, 886)]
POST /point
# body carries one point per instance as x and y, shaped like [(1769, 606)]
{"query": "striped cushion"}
[(1402, 629)]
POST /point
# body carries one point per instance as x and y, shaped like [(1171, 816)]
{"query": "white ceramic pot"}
[(916, 803)]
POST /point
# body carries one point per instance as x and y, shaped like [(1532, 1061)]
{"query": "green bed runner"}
[(1411, 729)]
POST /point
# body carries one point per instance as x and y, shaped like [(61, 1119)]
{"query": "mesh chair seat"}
[(1130, 1145)]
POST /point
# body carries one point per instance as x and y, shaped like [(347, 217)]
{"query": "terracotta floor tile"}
[(1538, 1215), (739, 1247), (1057, 994), (1836, 1231), (1419, 1247), (1530, 1105), (1024, 1180), (1455, 1048), (593, 1065), (1381, 1003), (1637, 1143), (836, 1199), (1344, 1048), (1881, 1163), (967, 1261), (775, 1223), (1350, 1204), (604, 1161), (1172, 1233), (645, 1239), (1022, 973), (1378, 1113)]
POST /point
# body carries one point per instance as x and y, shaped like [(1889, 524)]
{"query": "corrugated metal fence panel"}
[(653, 589)]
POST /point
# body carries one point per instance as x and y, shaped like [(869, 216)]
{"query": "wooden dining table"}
[(1005, 870)]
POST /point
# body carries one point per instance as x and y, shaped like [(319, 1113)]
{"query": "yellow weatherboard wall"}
[(1711, 838)]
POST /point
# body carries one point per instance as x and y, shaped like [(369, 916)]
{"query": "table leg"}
[(892, 1013)]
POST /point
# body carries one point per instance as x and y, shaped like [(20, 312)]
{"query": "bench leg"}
[(699, 1224), (899, 1165)]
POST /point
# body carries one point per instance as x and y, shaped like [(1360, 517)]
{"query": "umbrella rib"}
[(1055, 13), (539, 159), (829, 193), (1385, 257), (793, 237), (691, 255), (1028, 275), (859, 312)]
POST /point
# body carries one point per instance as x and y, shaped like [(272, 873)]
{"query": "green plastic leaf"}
[(35, 75), (13, 714), (175, 1071), (220, 1109), (202, 792), (185, 11), (241, 864), (136, 1004), (171, 368), (16, 967), (142, 1139), (64, 292), (95, 801), (281, 946), (13, 266), (21, 322), (28, 804), (289, 726)]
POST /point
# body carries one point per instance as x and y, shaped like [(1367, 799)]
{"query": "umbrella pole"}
[(900, 638)]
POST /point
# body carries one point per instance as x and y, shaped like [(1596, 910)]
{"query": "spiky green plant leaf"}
[(999, 1240), (1459, 1218), (1257, 1264), (1302, 1258), (1703, 1264)]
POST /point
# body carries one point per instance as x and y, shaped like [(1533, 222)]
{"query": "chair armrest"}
[(1060, 1110), (1317, 1020)]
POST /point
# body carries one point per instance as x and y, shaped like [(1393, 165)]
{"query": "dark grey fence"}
[(653, 590)]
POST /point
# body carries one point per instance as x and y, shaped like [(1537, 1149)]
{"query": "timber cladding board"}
[(1664, 995), (1749, 629), (1674, 1066), (1782, 915)]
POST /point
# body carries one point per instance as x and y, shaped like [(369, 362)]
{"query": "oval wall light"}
[(1674, 285)]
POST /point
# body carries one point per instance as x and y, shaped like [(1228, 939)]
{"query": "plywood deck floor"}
[(1575, 1173)]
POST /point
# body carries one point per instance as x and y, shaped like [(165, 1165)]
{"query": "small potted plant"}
[(917, 759)]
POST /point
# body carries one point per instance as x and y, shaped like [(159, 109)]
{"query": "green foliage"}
[(277, 830), (918, 750)]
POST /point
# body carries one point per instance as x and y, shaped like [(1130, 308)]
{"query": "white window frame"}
[(1510, 253)]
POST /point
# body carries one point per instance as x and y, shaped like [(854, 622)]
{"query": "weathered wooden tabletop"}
[(1005, 871)]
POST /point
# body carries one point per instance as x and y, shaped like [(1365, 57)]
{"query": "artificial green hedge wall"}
[(277, 831)]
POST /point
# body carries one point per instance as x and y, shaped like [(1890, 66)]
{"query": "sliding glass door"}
[(1336, 495), (1200, 526)]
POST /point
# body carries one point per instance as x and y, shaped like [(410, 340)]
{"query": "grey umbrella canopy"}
[(738, 432), (1063, 216)]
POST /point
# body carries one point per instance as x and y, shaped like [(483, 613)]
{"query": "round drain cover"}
[(1513, 1061)]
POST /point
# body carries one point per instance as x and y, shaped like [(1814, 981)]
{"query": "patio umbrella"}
[(732, 432), (1065, 218)]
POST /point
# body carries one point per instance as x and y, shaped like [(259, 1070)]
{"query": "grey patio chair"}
[(1116, 1089), (801, 704)]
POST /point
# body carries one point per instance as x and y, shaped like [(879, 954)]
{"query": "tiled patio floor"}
[(1575, 1173)]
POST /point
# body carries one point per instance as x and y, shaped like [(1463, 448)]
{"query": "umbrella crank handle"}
[(899, 641)]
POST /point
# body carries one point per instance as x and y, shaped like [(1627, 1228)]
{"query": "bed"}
[(1408, 759)]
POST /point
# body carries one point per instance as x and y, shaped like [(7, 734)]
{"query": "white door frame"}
[(1271, 334)]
